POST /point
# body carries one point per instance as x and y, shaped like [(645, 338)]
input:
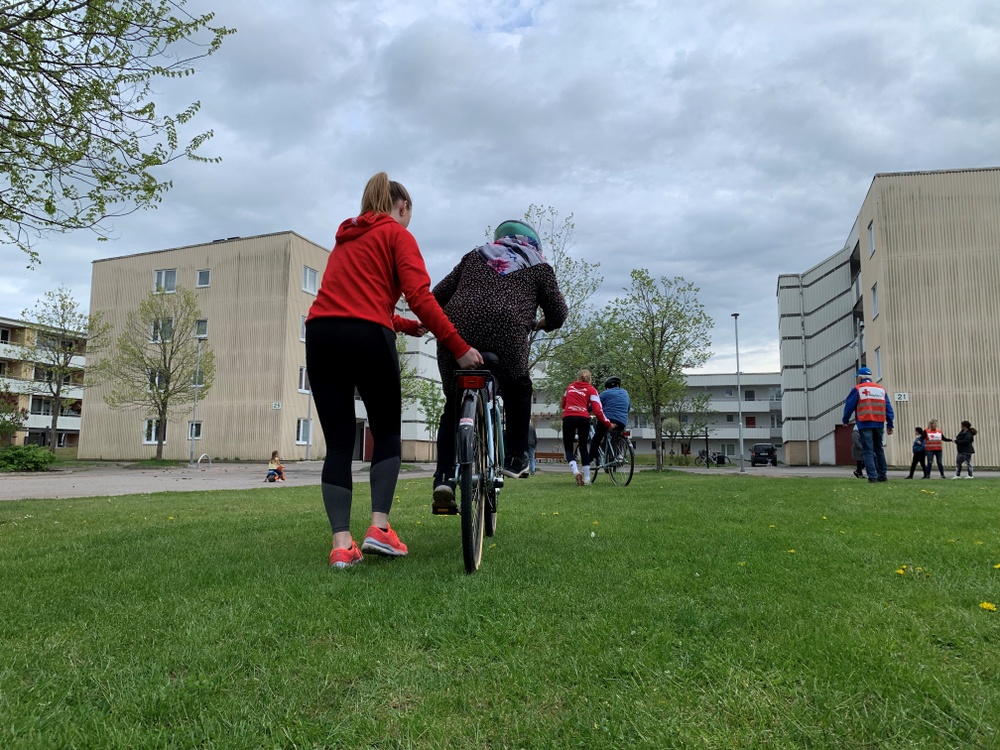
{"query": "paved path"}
[(115, 479)]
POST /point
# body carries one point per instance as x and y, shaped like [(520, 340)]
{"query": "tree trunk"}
[(56, 408), (658, 433), (161, 435)]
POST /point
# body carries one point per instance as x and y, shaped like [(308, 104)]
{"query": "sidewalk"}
[(115, 479), (102, 480)]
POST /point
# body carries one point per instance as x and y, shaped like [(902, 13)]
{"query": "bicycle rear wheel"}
[(622, 464), (472, 481)]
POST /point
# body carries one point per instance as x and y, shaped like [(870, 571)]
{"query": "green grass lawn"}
[(681, 611)]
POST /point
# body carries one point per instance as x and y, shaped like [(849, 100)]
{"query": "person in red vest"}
[(935, 442), (869, 403)]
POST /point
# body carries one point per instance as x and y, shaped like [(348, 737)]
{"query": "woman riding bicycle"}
[(616, 404), (492, 296), (579, 400)]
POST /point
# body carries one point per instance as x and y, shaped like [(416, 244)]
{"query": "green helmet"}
[(517, 226)]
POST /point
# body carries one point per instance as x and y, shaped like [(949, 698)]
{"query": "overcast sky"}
[(725, 141)]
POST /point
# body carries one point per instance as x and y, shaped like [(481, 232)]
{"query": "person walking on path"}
[(963, 444), (919, 452), (869, 403), (351, 346), (579, 400), (857, 453), (935, 442)]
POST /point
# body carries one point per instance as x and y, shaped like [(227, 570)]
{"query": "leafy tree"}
[(688, 417), (431, 398), (659, 328), (156, 366), (12, 417), (64, 333), (80, 135)]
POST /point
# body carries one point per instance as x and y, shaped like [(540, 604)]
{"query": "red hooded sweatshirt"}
[(373, 262)]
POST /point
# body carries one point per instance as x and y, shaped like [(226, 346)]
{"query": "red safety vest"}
[(871, 403), (934, 440)]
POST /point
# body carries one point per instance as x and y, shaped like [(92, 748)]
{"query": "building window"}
[(304, 381), (41, 406), (3, 369), (303, 432), (878, 363), (730, 418), (775, 421), (4, 335), (875, 300), (161, 331), (149, 437), (201, 329), (302, 329), (204, 278), (194, 430), (871, 238), (729, 449), (157, 381), (749, 395), (310, 280), (165, 280), (728, 393), (751, 421)]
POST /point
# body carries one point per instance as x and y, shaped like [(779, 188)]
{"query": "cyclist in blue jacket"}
[(616, 404)]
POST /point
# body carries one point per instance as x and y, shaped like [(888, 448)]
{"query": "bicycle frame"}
[(471, 383)]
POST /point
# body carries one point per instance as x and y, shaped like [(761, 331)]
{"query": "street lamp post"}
[(739, 392), (197, 385)]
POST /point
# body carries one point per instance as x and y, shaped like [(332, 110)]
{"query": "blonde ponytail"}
[(381, 194)]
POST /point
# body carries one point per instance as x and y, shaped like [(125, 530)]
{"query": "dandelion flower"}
[(170, 518), (824, 518), (901, 571), (556, 513), (742, 563), (988, 607), (595, 524), (997, 566), (791, 552)]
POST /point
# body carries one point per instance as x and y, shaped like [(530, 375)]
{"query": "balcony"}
[(44, 422)]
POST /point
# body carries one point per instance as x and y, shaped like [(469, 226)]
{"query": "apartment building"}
[(912, 295), (26, 371), (254, 294), (717, 428)]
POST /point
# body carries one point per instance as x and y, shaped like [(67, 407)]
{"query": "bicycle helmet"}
[(613, 382), (864, 372), (514, 227)]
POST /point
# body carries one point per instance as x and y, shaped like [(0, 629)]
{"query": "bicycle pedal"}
[(445, 511)]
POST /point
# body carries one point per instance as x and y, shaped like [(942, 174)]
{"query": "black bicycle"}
[(479, 457), (713, 459), (615, 456)]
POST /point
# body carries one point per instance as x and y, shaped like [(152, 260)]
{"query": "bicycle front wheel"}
[(472, 482), (623, 461)]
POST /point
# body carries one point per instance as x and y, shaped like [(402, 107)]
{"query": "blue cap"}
[(864, 372)]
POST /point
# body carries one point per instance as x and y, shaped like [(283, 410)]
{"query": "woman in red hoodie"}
[(351, 344), (578, 402)]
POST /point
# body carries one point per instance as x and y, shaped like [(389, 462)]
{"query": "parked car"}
[(764, 454)]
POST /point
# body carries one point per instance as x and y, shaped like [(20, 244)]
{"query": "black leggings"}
[(918, 458), (576, 428), (344, 354)]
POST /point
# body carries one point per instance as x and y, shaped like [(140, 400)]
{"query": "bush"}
[(25, 458)]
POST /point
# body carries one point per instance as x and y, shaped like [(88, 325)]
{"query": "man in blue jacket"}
[(869, 403), (616, 405)]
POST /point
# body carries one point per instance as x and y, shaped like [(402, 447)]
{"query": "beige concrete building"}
[(253, 294), (26, 376), (912, 295)]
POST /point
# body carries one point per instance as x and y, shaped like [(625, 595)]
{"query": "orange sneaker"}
[(381, 542), (345, 558)]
